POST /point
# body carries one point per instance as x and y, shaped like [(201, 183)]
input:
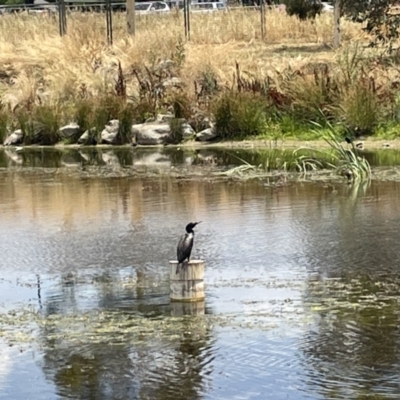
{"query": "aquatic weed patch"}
[(359, 300), (19, 326), (286, 303), (25, 326)]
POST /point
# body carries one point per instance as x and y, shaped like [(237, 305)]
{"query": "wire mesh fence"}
[(61, 11)]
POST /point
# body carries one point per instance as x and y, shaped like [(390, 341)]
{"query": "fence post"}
[(62, 18), (130, 16), (109, 22), (186, 14), (336, 24), (262, 14)]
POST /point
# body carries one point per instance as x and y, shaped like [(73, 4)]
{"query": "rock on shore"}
[(163, 129)]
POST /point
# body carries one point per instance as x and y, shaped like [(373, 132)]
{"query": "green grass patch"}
[(387, 131)]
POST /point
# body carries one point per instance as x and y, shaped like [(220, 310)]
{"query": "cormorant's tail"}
[(178, 268)]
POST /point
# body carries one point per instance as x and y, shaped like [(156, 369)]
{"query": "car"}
[(51, 9), (327, 7), (207, 7), (11, 9), (151, 7)]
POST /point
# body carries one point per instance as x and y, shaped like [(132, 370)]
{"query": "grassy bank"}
[(270, 90)]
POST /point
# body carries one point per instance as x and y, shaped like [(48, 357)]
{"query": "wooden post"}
[(62, 18), (109, 22), (130, 16), (336, 24), (188, 284), (186, 18), (262, 15)]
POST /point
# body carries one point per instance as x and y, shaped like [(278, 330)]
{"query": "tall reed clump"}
[(180, 106), (239, 115), (93, 114), (362, 102), (177, 132), (243, 110), (310, 90), (354, 91), (349, 163), (4, 124), (346, 162), (360, 110), (39, 123)]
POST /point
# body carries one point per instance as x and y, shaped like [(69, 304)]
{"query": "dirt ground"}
[(373, 144), (284, 144)]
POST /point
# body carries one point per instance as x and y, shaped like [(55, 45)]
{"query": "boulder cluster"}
[(155, 131)]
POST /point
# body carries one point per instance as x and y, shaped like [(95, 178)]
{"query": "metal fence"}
[(61, 8)]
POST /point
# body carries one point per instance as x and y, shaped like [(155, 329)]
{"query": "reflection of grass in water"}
[(279, 160), (303, 160), (386, 157)]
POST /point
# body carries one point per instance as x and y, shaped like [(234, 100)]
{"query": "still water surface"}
[(166, 157), (302, 288)]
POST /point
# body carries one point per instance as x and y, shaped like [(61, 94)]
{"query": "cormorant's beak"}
[(196, 223)]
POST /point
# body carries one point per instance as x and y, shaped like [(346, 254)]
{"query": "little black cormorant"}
[(185, 245)]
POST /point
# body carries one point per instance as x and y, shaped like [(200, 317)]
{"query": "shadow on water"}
[(302, 287)]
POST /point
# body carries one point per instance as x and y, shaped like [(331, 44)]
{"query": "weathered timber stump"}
[(188, 284)]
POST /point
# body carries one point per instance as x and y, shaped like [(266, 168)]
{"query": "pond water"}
[(302, 285)]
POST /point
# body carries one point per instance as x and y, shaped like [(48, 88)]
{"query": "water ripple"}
[(301, 302)]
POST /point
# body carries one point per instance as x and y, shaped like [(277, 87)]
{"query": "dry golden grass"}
[(35, 62)]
